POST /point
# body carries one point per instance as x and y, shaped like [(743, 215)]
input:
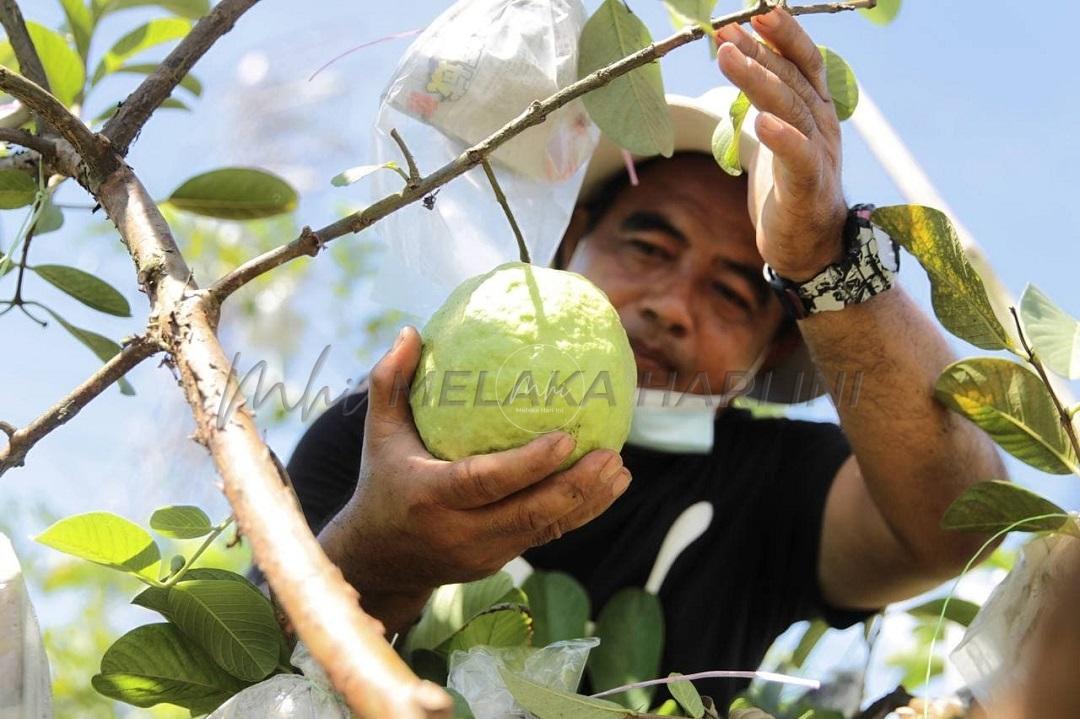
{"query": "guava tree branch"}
[(322, 607), (21, 441), (125, 124), (311, 241), (43, 146)]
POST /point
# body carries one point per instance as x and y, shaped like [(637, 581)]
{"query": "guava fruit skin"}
[(497, 331)]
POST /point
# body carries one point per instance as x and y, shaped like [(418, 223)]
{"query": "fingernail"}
[(621, 483), (770, 19), (400, 337), (728, 33), (564, 446), (612, 468)]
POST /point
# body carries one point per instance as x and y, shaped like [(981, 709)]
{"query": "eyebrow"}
[(647, 221)]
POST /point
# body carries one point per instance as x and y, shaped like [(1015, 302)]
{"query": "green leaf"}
[(631, 109), (144, 37), (885, 12), (235, 194), (1054, 334), (63, 67), (347, 177), (102, 347), (687, 695), (631, 631), (995, 505), (559, 605), (157, 598), (691, 12), (461, 707), (181, 522), (725, 139), (960, 611), (193, 9), (1011, 404), (501, 626), (190, 83), (155, 663), (50, 219), (232, 621), (81, 23), (841, 81), (957, 292), (107, 539), (86, 288), (810, 639), (17, 189), (547, 703), (452, 606)]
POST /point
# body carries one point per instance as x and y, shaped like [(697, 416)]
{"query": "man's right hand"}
[(416, 522)]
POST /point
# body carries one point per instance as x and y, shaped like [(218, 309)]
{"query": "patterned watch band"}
[(869, 265)]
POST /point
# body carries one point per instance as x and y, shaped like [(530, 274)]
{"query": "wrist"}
[(827, 247)]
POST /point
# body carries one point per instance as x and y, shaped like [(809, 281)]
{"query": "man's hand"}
[(799, 210), (416, 522)]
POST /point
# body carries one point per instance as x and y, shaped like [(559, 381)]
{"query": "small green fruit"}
[(518, 352)]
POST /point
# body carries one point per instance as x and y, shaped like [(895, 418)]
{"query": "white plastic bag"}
[(475, 674), (25, 691), (475, 68)]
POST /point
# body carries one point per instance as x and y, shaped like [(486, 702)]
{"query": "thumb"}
[(388, 399)]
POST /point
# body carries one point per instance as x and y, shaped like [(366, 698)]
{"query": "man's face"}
[(677, 258)]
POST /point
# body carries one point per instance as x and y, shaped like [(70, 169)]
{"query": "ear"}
[(575, 232)]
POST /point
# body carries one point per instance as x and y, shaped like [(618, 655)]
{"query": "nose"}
[(668, 307)]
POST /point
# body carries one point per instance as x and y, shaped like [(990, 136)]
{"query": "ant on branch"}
[(429, 200)]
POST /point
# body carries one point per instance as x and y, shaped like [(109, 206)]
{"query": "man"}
[(808, 520)]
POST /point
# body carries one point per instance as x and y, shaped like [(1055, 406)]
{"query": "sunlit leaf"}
[(181, 522), (1054, 334), (631, 110), (1011, 404), (995, 506), (102, 347), (231, 621), (958, 610), (691, 12), (235, 193), (347, 177), (157, 598), (884, 13), (559, 605), (725, 139), (142, 38), (631, 631), (17, 189), (687, 695), (957, 292), (503, 626), (452, 605), (156, 663), (193, 9), (190, 83), (81, 22), (86, 288), (106, 539), (64, 68), (545, 703), (842, 85)]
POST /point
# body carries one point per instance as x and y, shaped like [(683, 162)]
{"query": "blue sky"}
[(984, 95)]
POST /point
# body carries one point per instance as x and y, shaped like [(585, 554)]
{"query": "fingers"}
[(780, 29), (798, 166), (766, 90), (388, 397), (482, 479), (561, 502)]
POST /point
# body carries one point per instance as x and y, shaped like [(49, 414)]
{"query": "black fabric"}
[(730, 593)]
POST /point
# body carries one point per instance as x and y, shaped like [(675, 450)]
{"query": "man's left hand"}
[(800, 211)]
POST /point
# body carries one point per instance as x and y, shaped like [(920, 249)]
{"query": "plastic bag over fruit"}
[(474, 69)]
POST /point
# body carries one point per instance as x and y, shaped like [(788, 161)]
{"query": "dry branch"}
[(46, 148), (21, 441), (311, 241), (124, 126)]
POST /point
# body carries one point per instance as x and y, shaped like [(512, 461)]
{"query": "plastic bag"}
[(25, 691), (475, 674), (477, 67), (288, 696), (993, 654)]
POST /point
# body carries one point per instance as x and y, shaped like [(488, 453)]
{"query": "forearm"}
[(880, 360)]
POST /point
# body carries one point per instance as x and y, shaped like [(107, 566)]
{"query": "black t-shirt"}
[(731, 592)]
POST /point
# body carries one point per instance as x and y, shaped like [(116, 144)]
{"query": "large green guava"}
[(518, 352)]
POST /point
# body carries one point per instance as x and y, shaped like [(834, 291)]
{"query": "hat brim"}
[(794, 379)]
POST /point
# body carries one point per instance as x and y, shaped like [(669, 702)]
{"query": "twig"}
[(44, 147), (20, 441), (1063, 412), (25, 52), (17, 300), (523, 250), (414, 172), (93, 150), (536, 113), (125, 124)]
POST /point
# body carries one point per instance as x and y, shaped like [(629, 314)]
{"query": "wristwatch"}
[(871, 260)]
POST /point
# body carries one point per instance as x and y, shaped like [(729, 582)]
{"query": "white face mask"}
[(680, 422)]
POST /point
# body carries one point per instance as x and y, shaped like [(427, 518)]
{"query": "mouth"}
[(651, 359)]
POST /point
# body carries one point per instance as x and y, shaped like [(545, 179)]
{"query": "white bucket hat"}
[(794, 378)]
